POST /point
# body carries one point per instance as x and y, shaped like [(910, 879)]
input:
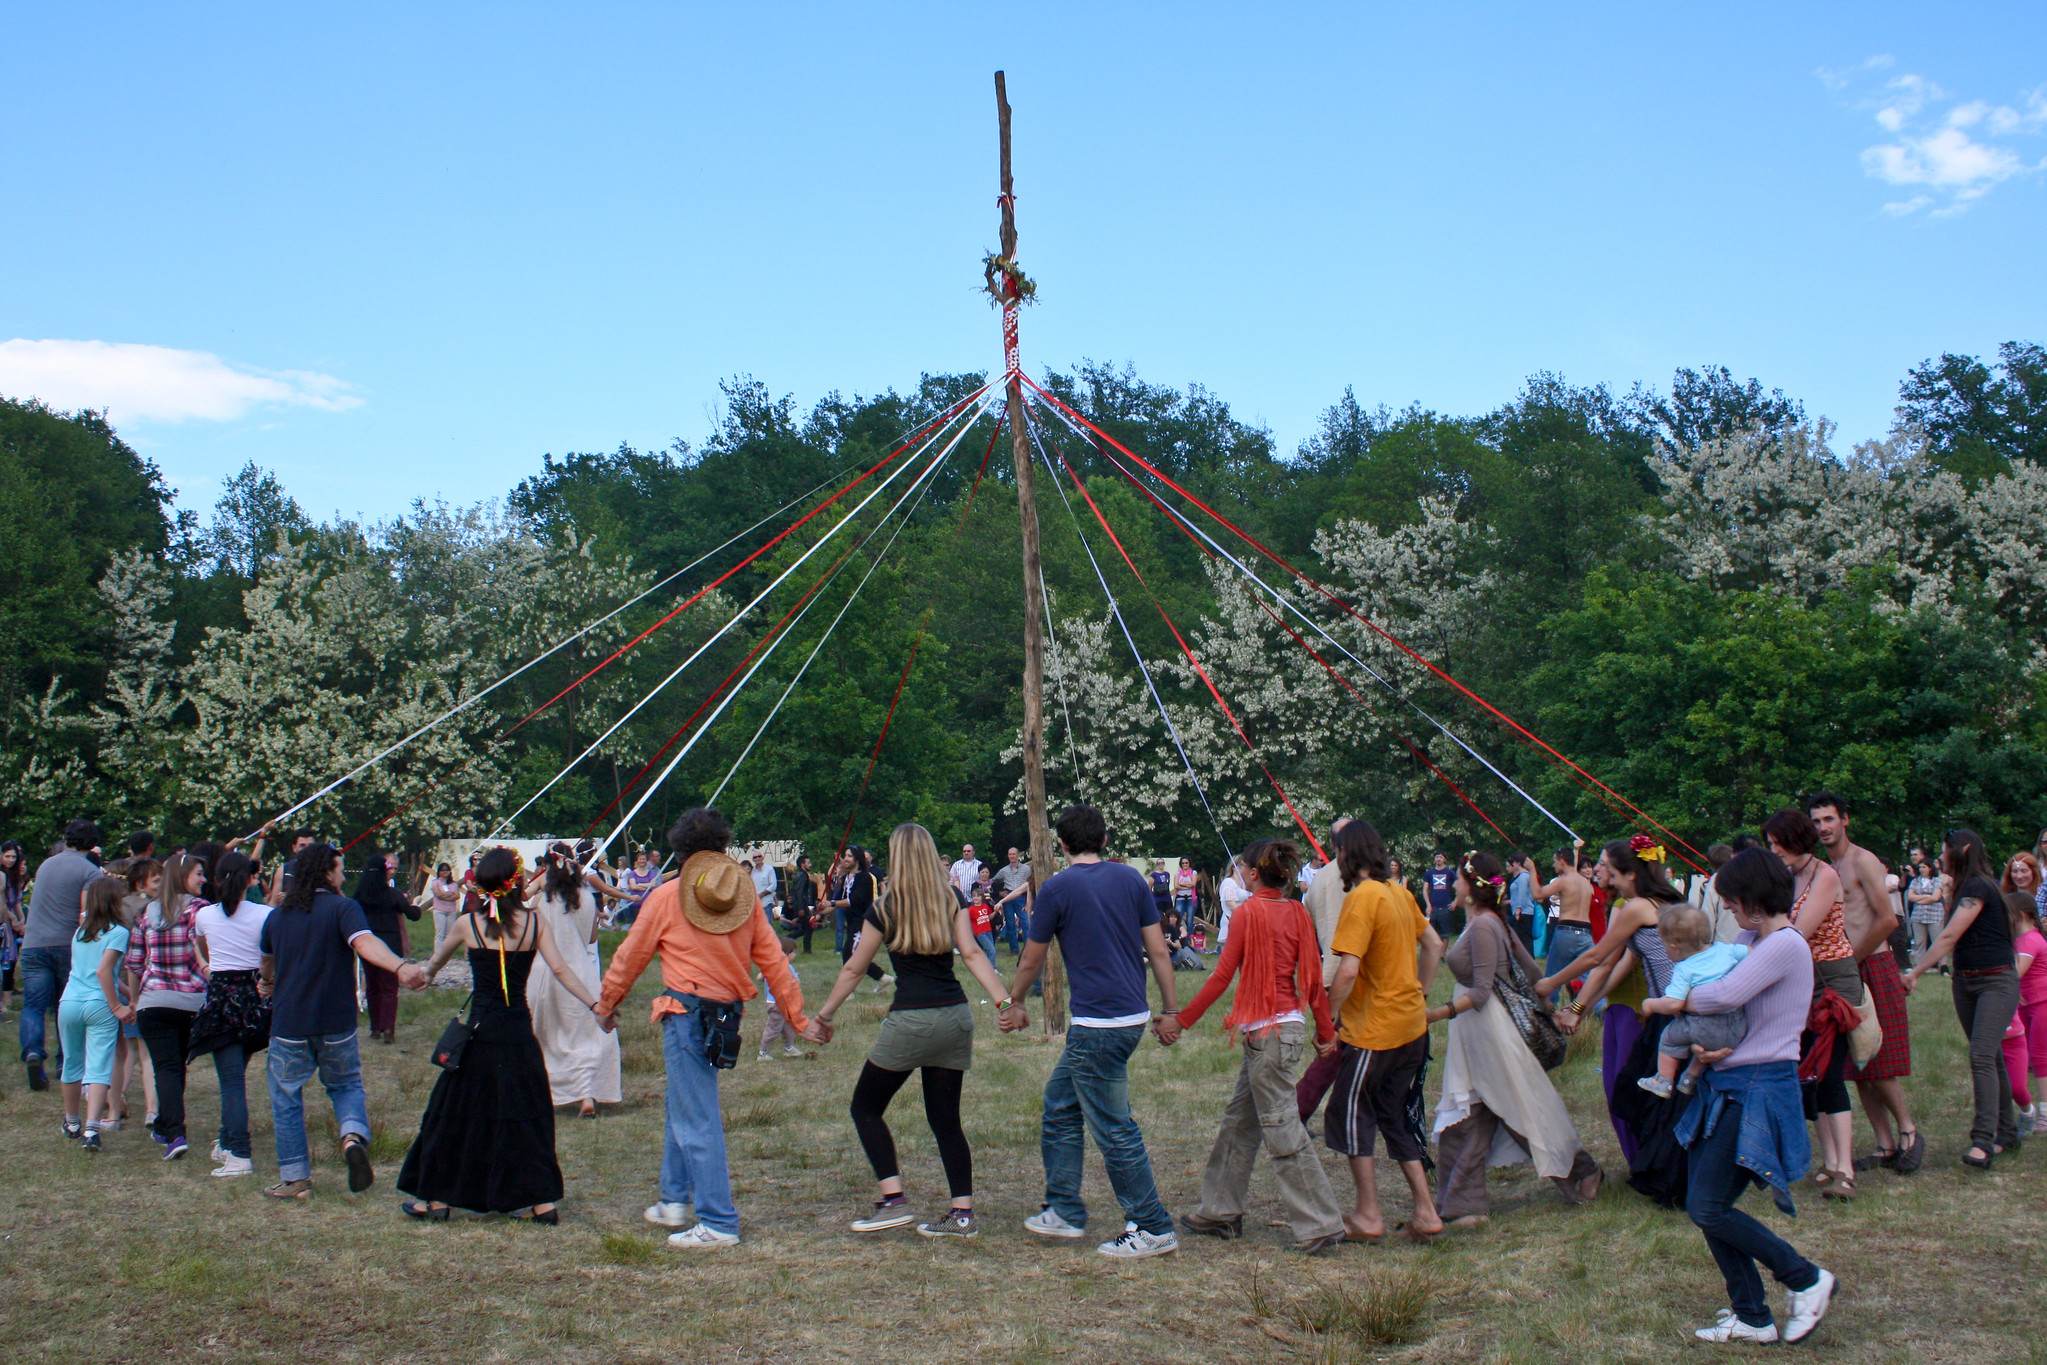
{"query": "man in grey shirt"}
[(46, 943)]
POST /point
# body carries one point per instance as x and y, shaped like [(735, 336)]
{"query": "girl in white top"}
[(234, 1021)]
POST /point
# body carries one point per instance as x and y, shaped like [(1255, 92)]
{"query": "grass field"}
[(125, 1258)]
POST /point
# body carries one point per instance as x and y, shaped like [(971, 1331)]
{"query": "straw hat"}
[(717, 894)]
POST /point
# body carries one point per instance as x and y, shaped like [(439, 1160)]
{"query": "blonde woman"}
[(930, 1027)]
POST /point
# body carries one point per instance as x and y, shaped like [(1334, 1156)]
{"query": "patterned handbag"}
[(1532, 1016)]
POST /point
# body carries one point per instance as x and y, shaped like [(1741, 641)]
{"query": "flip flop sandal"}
[(1842, 1188), (1823, 1177), (1414, 1234)]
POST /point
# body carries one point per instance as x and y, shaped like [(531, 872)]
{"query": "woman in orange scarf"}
[(1272, 941)]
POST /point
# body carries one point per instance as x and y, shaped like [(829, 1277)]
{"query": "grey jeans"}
[(1710, 1031), (1985, 1003), (1263, 1111)]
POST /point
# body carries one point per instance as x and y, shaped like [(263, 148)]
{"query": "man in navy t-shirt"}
[(1440, 883), (1107, 925), (310, 943)]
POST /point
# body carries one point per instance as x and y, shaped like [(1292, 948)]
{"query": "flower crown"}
[(1472, 876), (1645, 848), (517, 878)]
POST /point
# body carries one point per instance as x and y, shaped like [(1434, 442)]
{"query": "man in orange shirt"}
[(708, 928)]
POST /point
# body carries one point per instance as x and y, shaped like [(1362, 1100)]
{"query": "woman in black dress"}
[(486, 1142)]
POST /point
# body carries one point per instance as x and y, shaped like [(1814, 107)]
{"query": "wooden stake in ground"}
[(1009, 287)]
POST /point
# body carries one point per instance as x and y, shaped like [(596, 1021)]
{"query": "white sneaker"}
[(1047, 1223), (232, 1165), (667, 1215), (762, 1057), (1727, 1327), (791, 1050), (2028, 1120), (697, 1237), (1804, 1308), (218, 1154), (1136, 1243)]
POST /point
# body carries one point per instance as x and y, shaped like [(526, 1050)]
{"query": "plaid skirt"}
[(1894, 1059)]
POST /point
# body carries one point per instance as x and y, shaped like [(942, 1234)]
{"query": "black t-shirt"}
[(924, 981), (1986, 942)]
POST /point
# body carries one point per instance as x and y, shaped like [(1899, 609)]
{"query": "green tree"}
[(1978, 420)]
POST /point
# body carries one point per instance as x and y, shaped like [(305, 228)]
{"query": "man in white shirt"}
[(1232, 893), (764, 882), (966, 871), (1324, 900)]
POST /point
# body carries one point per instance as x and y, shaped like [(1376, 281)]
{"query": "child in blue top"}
[(89, 1013), (1688, 939)]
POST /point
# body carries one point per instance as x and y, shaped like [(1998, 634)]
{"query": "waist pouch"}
[(721, 1026)]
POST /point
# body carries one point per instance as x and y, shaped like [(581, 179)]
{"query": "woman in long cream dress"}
[(582, 1059), (1498, 1106)]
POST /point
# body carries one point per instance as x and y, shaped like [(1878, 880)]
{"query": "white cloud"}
[(1946, 150), (158, 383)]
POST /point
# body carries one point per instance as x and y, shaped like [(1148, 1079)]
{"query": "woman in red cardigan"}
[(1273, 941)]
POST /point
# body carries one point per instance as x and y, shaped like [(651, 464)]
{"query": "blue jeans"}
[(839, 933), (231, 1065), (292, 1063), (1567, 941), (43, 971), (693, 1168), (1738, 1241), (987, 942), (1090, 1088)]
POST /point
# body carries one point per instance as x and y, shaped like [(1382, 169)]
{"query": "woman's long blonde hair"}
[(919, 908)]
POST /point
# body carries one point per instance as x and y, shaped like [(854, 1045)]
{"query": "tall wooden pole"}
[(1042, 865)]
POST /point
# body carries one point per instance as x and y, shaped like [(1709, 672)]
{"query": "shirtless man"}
[(1869, 918), (1570, 933)]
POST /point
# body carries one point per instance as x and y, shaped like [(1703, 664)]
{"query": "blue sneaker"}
[(173, 1149)]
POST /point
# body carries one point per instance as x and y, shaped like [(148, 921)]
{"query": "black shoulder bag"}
[(454, 1040)]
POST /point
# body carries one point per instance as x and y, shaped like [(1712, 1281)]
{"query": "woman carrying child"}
[(1273, 941), (1498, 1105), (1698, 958), (1747, 1125)]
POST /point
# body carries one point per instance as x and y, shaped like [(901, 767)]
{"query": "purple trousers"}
[(1623, 1026)]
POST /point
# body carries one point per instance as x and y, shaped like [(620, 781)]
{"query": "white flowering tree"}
[(357, 640), (1780, 511)]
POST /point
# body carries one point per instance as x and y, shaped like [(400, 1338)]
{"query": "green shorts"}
[(931, 1037)]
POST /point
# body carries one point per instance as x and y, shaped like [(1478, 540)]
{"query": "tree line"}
[(1691, 593)]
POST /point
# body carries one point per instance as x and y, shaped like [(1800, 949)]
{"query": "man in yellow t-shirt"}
[(1386, 951)]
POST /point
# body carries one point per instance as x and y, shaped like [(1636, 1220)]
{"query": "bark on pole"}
[(1042, 860)]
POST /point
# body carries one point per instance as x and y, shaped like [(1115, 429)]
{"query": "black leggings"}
[(1828, 1094), (871, 1095)]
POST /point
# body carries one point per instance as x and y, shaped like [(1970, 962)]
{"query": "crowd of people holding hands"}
[(1731, 1016)]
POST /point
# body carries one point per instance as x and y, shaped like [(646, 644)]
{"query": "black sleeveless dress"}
[(486, 1142)]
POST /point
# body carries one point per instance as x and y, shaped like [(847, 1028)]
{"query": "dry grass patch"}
[(125, 1257)]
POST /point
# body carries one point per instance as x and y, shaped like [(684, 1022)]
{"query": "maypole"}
[(1010, 288)]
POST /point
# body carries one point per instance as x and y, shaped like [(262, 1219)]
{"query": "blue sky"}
[(402, 251)]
